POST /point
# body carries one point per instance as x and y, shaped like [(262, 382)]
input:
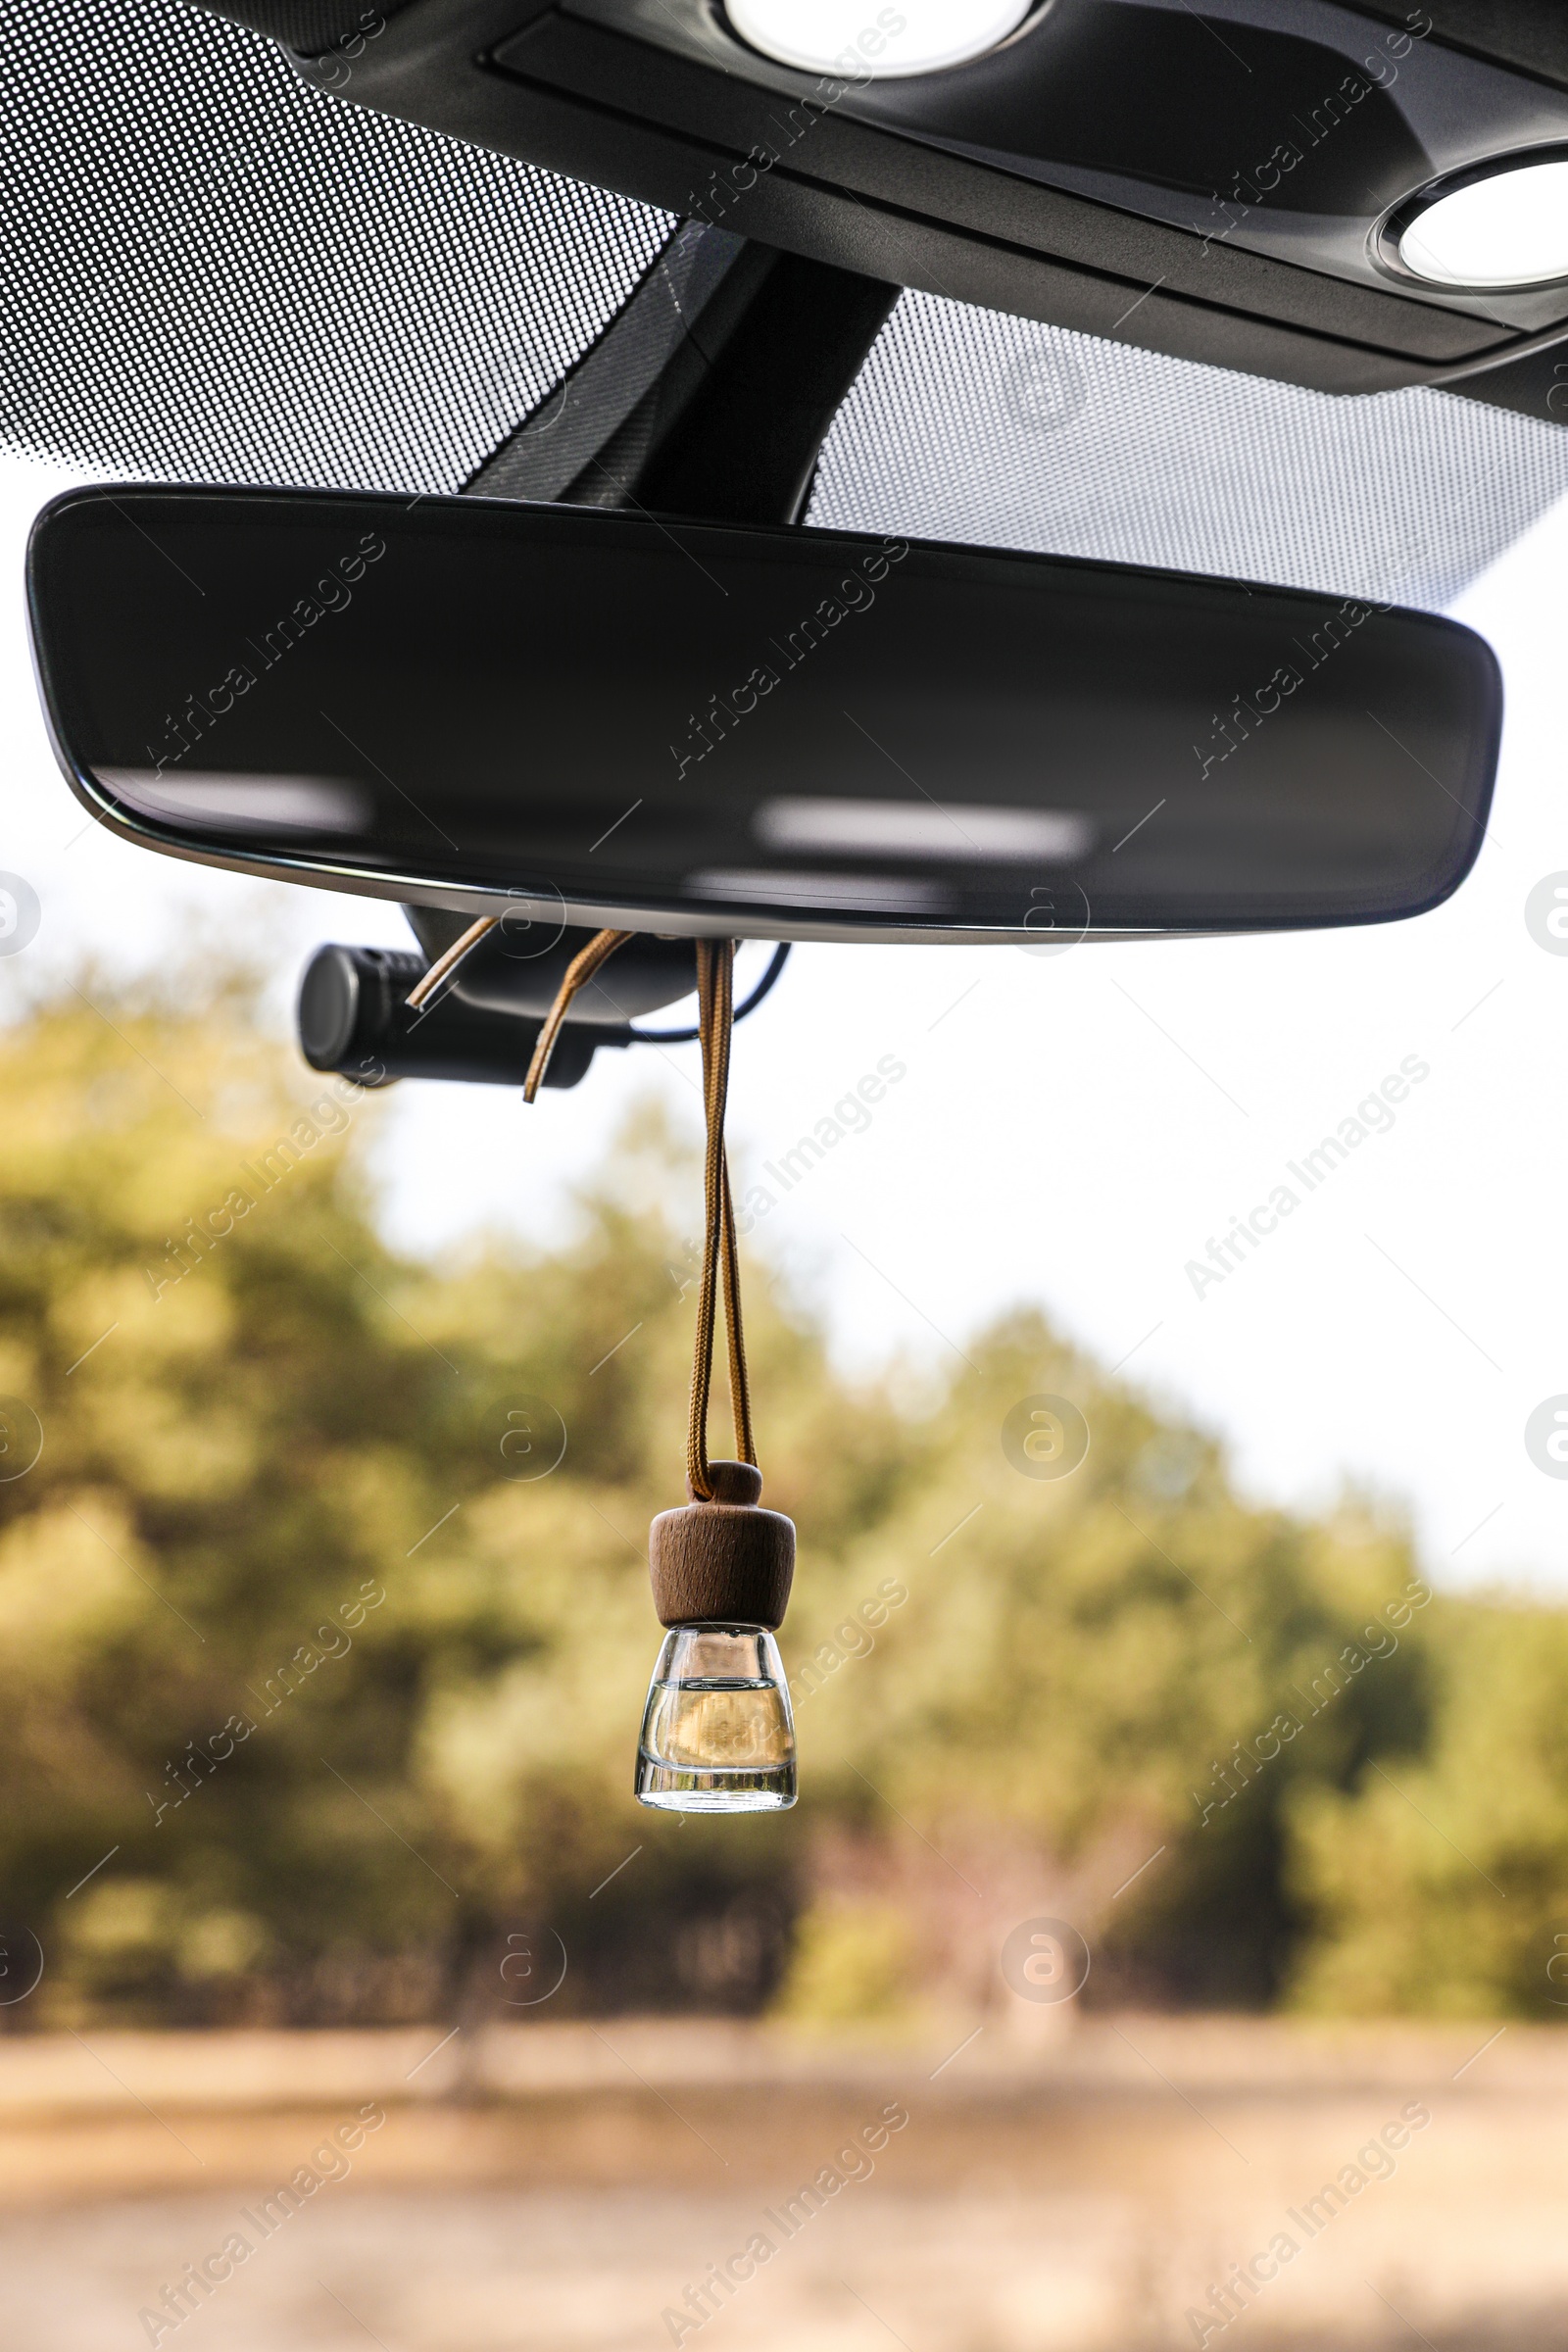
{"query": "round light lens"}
[(857, 38), (1508, 230)]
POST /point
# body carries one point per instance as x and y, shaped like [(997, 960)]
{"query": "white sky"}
[(1073, 1129)]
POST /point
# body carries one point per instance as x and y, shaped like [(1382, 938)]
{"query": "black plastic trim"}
[(887, 207)]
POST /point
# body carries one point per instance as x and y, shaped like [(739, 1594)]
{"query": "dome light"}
[(856, 39), (1504, 231)]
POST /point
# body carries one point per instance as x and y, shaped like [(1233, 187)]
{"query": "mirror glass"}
[(665, 725)]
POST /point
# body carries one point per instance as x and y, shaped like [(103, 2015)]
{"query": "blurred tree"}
[(1119, 1670), (325, 1625), (1441, 1885), (320, 1671)]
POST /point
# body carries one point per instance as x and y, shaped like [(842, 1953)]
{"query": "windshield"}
[(1156, 1344)]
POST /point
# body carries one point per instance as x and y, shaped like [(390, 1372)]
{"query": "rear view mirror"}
[(606, 717)]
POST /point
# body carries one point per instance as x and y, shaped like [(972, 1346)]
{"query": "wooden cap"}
[(723, 1562)]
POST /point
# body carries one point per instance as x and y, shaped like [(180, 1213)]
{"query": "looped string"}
[(715, 996), (579, 972)]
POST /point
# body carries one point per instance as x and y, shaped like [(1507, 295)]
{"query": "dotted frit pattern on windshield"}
[(212, 271), (971, 425)]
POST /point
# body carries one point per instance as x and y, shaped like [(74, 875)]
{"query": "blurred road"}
[(581, 2189)]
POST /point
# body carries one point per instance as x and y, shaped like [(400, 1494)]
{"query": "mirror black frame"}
[(1133, 658)]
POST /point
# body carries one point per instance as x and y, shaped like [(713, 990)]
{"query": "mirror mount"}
[(727, 425), (709, 396)]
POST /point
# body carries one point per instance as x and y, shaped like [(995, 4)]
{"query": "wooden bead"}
[(732, 1482), (723, 1562)]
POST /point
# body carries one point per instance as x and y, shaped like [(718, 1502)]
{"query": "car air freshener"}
[(718, 1733)]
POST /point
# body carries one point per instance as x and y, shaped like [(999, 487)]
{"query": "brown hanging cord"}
[(460, 949), (579, 971), (716, 996), (715, 987)]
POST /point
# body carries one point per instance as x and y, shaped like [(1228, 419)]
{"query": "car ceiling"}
[(217, 272)]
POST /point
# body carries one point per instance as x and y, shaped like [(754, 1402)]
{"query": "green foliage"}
[(330, 1703), (851, 1961), (1441, 1886)]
